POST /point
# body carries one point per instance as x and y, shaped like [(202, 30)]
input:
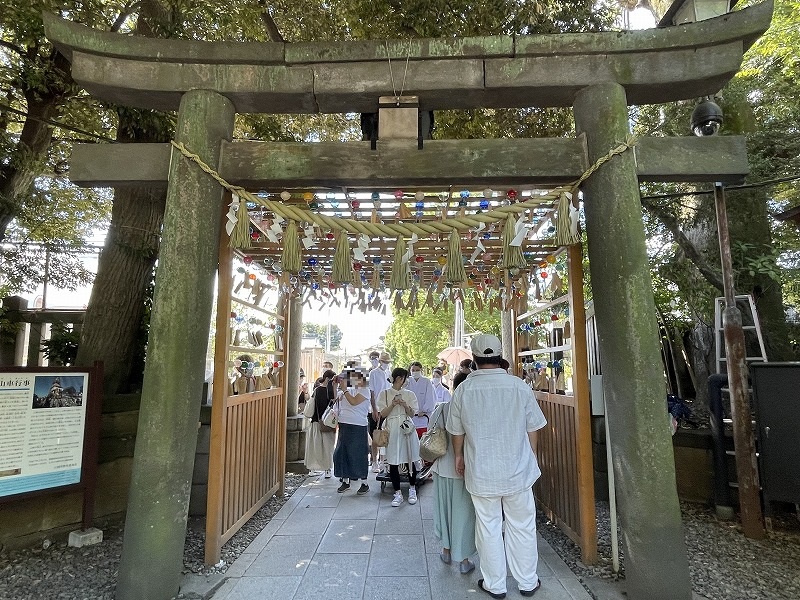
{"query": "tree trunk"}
[(114, 330), (26, 160), (116, 308), (749, 223)]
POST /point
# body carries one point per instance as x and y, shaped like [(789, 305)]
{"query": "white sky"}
[(359, 330)]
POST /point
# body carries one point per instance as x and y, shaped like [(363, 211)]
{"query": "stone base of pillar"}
[(297, 467), (295, 440)]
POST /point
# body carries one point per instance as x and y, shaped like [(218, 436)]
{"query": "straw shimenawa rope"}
[(400, 273), (394, 230), (564, 235), (455, 272), (512, 255), (240, 236), (290, 258), (342, 271)]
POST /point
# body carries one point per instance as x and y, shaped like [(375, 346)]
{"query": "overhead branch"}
[(670, 221), (12, 47), (126, 12), (273, 32)]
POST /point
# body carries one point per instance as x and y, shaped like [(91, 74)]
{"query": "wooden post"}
[(656, 561), (580, 388), (219, 400), (166, 440), (746, 466)]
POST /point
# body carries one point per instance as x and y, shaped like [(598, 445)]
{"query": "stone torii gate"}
[(598, 75)]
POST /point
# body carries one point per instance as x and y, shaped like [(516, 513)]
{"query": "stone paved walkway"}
[(322, 544)]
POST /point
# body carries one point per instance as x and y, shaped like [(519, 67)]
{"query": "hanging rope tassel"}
[(564, 229), (375, 284), (455, 272), (342, 271), (400, 273), (512, 255), (290, 257), (240, 236)]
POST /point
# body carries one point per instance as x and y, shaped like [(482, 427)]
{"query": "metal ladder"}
[(751, 324)]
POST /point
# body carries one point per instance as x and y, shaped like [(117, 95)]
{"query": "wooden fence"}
[(557, 489), (565, 490), (253, 456), (247, 455)]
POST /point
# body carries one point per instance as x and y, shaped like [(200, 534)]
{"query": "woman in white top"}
[(453, 512), (440, 391), (397, 405), (352, 448)]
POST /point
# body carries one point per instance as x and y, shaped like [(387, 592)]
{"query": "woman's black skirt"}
[(351, 453)]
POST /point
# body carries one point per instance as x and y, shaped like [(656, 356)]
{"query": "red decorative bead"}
[(554, 317), (275, 364), (355, 204), (255, 236), (537, 323), (419, 258), (247, 260), (543, 275), (233, 315), (512, 194), (329, 235), (357, 266)]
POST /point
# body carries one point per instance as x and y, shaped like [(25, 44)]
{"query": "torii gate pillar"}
[(656, 563), (158, 504)]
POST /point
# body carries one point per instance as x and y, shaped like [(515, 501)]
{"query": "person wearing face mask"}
[(397, 403), (350, 455), (319, 444), (423, 390), (440, 391), (378, 381)]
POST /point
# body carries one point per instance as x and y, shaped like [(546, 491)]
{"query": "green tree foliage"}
[(423, 335), (321, 332)]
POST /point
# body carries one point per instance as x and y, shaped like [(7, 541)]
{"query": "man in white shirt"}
[(493, 421), (423, 390), (378, 381)]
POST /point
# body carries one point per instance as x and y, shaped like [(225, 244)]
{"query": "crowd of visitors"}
[(483, 499)]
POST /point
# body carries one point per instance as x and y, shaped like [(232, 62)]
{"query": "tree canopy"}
[(424, 334)]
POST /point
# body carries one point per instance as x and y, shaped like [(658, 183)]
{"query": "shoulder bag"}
[(433, 443), (380, 437)]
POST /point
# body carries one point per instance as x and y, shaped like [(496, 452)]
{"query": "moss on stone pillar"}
[(155, 527), (656, 564)]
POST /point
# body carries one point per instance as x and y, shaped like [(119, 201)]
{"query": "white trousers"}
[(518, 546)]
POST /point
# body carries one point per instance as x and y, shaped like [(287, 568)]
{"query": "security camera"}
[(706, 118)]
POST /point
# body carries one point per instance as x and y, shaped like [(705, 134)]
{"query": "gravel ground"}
[(60, 572), (724, 564)]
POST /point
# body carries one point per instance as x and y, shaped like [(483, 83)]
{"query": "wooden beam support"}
[(441, 163)]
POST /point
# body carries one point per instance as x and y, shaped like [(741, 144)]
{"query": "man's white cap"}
[(485, 345)]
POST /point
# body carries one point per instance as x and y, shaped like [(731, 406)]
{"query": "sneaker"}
[(343, 488), (363, 489), (376, 468), (412, 496), (328, 474), (398, 498)]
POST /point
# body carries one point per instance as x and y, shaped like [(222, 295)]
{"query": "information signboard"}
[(49, 434)]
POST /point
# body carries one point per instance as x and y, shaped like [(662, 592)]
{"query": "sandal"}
[(492, 594)]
